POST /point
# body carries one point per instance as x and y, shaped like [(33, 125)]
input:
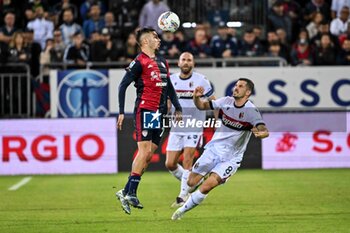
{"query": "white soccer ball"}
[(168, 21)]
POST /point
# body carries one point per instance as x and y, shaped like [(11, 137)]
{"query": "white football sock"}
[(195, 199), (184, 189), (177, 172)]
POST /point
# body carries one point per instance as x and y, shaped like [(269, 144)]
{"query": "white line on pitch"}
[(20, 184)]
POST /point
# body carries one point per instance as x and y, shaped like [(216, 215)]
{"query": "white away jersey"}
[(231, 139), (184, 89)]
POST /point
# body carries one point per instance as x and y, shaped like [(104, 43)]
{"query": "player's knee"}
[(170, 165), (191, 182)]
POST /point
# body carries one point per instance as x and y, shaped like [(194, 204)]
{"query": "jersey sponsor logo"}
[(184, 94), (233, 123), (162, 84)]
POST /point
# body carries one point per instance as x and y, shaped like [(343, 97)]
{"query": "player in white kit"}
[(186, 139), (224, 153)]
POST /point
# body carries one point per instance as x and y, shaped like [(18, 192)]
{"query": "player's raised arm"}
[(200, 103)]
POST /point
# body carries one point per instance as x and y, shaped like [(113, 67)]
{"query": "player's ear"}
[(248, 92)]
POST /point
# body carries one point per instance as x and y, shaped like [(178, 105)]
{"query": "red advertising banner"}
[(58, 146)]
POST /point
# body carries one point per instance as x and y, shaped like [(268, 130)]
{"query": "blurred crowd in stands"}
[(310, 32)]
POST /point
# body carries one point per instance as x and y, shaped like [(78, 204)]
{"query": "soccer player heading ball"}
[(223, 154), (150, 73)]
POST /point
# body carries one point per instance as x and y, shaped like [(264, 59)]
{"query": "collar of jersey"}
[(234, 103), (185, 78)]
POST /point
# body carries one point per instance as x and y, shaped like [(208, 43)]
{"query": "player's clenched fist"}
[(198, 92)]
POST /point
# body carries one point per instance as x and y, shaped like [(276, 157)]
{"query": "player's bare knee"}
[(192, 181), (170, 165)]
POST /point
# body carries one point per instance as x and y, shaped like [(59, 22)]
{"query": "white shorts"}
[(210, 162), (176, 142)]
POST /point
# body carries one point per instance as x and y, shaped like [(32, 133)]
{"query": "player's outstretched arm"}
[(260, 131), (200, 104)]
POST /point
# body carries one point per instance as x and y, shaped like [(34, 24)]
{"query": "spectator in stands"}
[(85, 8), (9, 28), (199, 45), (7, 6), (273, 49), (180, 40), (18, 51), (34, 4), (249, 45), (324, 29), (78, 53), (104, 49), (150, 13), (301, 54), (130, 49), (325, 53), (314, 6), (337, 6), (114, 31), (168, 46), (339, 25), (62, 6), (58, 47), (35, 50), (43, 28), (312, 27), (29, 15), (293, 10), (343, 57), (344, 35), (45, 58), (127, 13), (69, 27), (221, 44), (278, 19), (94, 23)]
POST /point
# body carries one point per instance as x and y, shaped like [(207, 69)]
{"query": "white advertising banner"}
[(58, 146), (307, 140), (275, 87)]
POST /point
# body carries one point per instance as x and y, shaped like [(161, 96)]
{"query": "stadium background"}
[(48, 127)]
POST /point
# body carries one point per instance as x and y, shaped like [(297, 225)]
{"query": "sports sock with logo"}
[(177, 172), (195, 199)]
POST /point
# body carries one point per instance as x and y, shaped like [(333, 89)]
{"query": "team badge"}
[(144, 133), (241, 115), (191, 84)]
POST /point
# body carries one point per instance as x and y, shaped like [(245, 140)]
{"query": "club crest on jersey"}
[(241, 115), (155, 76), (144, 133), (191, 84)]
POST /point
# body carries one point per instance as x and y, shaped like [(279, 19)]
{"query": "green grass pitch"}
[(251, 201)]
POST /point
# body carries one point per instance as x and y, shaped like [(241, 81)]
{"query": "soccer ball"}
[(168, 21)]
